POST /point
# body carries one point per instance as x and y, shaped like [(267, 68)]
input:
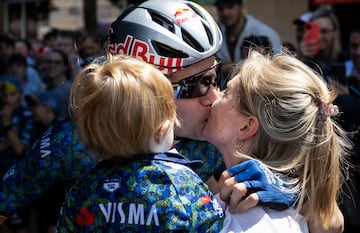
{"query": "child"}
[(125, 113)]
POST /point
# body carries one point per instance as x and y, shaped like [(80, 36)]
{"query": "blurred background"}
[(31, 19)]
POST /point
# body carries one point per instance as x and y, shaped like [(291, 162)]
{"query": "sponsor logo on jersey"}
[(45, 144), (136, 214), (9, 172), (85, 218), (112, 184)]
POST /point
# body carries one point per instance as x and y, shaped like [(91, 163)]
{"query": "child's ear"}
[(163, 138), (249, 128), (162, 131)]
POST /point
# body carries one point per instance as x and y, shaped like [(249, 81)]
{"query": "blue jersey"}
[(60, 156), (151, 193)]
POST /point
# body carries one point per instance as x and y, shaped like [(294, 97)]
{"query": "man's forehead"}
[(191, 70)]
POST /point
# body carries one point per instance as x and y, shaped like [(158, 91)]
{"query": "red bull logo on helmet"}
[(139, 49), (183, 15)]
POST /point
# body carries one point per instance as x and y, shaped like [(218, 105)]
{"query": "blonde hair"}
[(297, 137), (120, 104)]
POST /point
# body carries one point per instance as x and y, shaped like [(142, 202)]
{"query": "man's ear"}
[(249, 128)]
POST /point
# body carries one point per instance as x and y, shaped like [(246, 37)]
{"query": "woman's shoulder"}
[(257, 219)]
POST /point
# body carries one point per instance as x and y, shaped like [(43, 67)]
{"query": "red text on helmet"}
[(139, 49)]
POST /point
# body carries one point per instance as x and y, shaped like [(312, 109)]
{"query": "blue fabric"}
[(58, 156), (213, 162), (271, 190), (22, 123), (149, 194)]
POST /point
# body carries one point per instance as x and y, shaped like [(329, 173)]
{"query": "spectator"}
[(327, 54), (49, 39), (16, 65), (24, 47), (258, 43), (352, 66), (66, 41), (351, 120), (45, 108), (56, 78), (7, 46), (90, 46), (236, 26), (327, 60), (16, 136), (16, 123)]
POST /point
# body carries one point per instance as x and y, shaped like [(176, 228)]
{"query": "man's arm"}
[(57, 156)]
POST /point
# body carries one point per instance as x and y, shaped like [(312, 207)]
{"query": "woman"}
[(278, 111)]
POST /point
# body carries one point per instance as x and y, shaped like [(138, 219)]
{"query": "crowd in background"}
[(36, 77), (35, 82)]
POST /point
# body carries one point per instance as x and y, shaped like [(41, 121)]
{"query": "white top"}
[(262, 219), (252, 26)]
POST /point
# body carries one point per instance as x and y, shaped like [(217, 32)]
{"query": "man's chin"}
[(192, 136)]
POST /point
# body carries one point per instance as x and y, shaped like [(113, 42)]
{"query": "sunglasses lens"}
[(196, 86), (202, 87), (181, 92)]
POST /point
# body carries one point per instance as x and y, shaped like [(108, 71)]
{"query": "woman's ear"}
[(249, 128)]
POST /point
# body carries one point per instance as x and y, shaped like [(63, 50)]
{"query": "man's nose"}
[(212, 95)]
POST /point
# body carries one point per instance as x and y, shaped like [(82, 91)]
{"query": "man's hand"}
[(249, 184)]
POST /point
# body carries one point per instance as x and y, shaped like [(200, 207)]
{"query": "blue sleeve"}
[(58, 156), (26, 132)]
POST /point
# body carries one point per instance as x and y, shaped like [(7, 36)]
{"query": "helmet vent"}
[(209, 35), (167, 51), (190, 40), (162, 21), (206, 27)]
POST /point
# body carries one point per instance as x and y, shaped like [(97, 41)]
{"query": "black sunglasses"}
[(197, 85)]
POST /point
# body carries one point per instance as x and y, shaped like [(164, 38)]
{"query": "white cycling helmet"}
[(170, 34)]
